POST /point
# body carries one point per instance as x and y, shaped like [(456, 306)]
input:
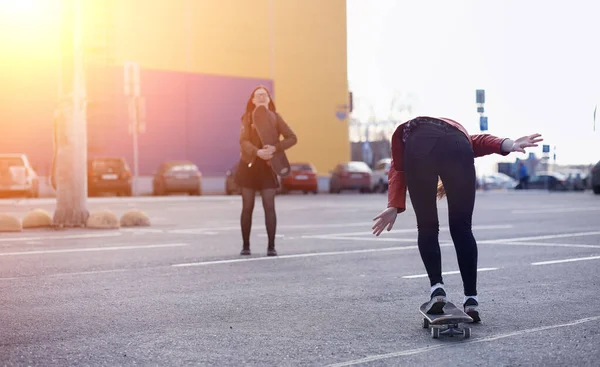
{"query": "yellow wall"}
[(299, 44), (303, 50), (311, 78)]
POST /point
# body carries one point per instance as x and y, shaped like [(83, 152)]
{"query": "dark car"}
[(177, 177), (595, 178), (109, 175), (354, 175), (303, 177), (553, 181)]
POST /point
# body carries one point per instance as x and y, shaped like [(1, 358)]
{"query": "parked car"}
[(595, 178), (303, 177), (109, 175), (17, 176), (230, 186), (379, 176), (177, 177), (354, 175), (576, 181), (552, 181), (497, 180)]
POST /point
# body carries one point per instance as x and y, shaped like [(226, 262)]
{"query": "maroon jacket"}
[(483, 144)]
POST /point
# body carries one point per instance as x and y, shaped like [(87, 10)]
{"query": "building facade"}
[(198, 63)]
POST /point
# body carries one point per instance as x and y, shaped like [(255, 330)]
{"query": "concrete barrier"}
[(9, 223), (37, 218), (103, 219), (135, 218)]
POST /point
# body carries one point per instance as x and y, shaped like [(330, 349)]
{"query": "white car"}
[(17, 176), (497, 180), (379, 177)]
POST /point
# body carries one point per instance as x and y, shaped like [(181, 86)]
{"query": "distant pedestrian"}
[(523, 177), (254, 171), (423, 150)]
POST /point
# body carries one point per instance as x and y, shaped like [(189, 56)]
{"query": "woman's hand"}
[(270, 149), (525, 142), (386, 218), (264, 154)]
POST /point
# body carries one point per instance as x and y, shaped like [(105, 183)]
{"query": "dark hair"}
[(250, 106)]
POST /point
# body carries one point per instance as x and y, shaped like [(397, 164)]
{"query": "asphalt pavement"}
[(178, 293)]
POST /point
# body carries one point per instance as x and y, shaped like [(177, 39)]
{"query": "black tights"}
[(268, 201), (433, 151)]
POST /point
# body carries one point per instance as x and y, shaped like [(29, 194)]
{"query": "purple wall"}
[(188, 116)]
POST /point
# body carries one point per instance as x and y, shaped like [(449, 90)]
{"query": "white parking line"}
[(445, 273), (213, 230), (547, 244), (406, 230), (544, 237), (89, 272), (362, 239), (91, 249), (410, 352), (65, 237), (566, 260), (312, 254), (556, 210)]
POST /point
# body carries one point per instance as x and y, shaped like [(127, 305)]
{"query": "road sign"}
[(546, 148), (137, 114), (480, 96), (483, 123), (131, 79)]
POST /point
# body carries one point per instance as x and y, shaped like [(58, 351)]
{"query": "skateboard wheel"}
[(467, 333), (435, 333), (425, 323)]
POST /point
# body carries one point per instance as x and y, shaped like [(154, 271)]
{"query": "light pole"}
[(70, 170)]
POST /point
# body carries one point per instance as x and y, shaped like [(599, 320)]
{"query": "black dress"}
[(259, 175)]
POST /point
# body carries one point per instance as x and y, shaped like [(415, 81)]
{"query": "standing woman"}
[(254, 170)]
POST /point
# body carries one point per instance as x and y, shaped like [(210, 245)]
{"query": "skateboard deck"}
[(266, 127), (446, 323)]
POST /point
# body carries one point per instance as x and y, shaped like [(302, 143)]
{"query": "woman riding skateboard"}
[(254, 170), (423, 150)]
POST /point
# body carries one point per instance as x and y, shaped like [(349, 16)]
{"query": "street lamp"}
[(70, 166)]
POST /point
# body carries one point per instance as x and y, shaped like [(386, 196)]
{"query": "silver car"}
[(17, 176)]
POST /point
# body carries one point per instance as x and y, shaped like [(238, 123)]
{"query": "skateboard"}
[(266, 127), (446, 323)]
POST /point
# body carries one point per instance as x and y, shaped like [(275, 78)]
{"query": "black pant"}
[(443, 151), (524, 182)]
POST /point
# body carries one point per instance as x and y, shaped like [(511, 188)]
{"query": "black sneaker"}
[(245, 251), (472, 309), (437, 302)]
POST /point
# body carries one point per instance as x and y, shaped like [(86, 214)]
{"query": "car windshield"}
[(301, 167), (107, 164), (11, 162), (183, 167), (358, 167)]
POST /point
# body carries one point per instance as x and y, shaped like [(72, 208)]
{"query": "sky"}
[(538, 61)]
